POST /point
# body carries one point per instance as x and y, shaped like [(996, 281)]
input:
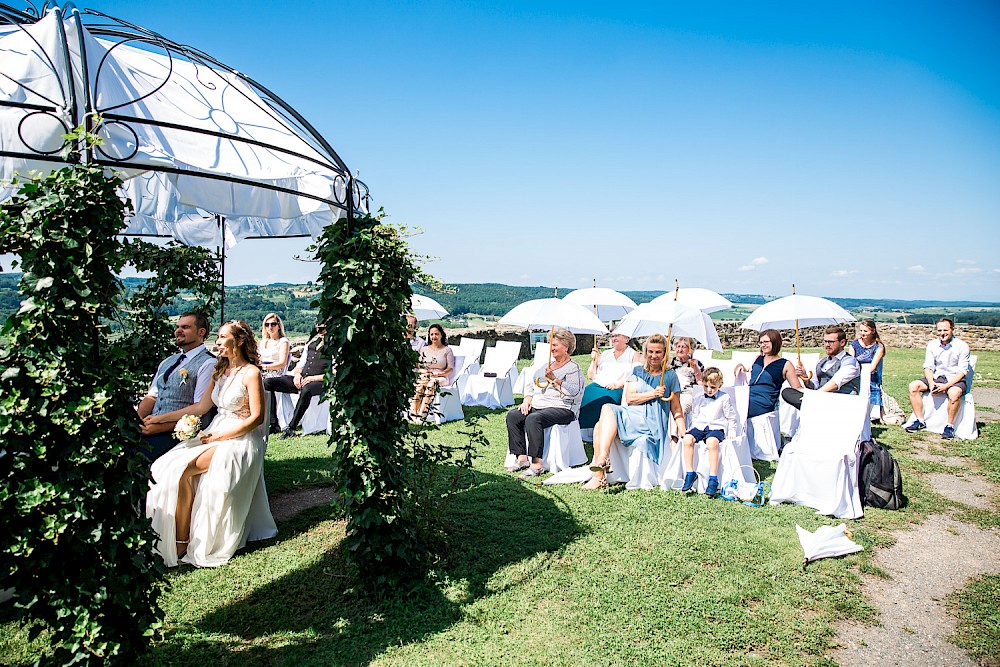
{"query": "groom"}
[(180, 381)]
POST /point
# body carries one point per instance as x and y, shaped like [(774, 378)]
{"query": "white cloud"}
[(965, 261), (967, 270), (525, 276), (759, 260), (916, 268), (996, 270), (841, 273), (747, 267)]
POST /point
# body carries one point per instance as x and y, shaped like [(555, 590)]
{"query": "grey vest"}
[(825, 375), (175, 392)]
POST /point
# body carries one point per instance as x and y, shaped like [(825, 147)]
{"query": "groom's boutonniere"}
[(184, 375)]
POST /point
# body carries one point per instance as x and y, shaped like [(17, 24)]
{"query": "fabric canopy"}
[(192, 139)]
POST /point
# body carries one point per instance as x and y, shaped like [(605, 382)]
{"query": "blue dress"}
[(865, 355), (765, 386), (647, 424)]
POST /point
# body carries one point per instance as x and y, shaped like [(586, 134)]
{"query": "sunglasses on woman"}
[(270, 324)]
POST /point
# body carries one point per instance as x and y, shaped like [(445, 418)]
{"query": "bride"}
[(207, 497)]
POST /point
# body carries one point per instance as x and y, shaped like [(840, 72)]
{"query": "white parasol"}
[(826, 542), (552, 313), (703, 299), (426, 308), (606, 303), (650, 318)]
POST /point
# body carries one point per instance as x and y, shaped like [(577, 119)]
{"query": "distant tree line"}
[(293, 303)]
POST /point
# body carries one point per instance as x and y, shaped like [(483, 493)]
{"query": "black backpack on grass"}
[(880, 483)]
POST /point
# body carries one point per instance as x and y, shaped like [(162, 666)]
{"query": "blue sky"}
[(850, 148)]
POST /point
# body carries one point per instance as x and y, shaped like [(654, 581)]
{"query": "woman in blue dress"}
[(645, 419), (868, 349), (767, 373)]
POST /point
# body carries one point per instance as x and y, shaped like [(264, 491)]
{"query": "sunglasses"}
[(270, 324)]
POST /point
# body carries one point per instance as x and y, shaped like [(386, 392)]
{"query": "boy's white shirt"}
[(718, 413)]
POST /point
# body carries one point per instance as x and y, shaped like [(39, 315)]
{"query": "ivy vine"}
[(74, 546)]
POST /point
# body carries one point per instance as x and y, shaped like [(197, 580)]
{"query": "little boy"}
[(713, 417)]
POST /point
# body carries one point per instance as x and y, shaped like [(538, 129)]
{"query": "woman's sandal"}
[(518, 467), (601, 483), (604, 467), (532, 472)]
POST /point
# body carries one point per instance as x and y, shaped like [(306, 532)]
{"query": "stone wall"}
[(732, 336)]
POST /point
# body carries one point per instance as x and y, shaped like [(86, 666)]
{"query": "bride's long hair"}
[(246, 345)]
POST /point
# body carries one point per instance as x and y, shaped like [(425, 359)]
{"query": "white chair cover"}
[(563, 448), (494, 392), (936, 410), (818, 468), (789, 415), (745, 358), (734, 451), (763, 431), (447, 404), (704, 356), (527, 374), (315, 420)]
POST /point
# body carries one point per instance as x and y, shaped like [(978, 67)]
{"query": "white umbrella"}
[(703, 299), (826, 542), (652, 317), (796, 311), (552, 313), (426, 308), (606, 303)]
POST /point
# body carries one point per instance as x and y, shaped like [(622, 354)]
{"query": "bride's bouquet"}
[(187, 427)]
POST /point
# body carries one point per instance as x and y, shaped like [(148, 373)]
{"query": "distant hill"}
[(292, 303)]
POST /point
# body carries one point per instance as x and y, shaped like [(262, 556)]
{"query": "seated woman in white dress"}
[(645, 419), (207, 497)]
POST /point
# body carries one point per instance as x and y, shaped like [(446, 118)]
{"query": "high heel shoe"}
[(184, 550), (601, 467)]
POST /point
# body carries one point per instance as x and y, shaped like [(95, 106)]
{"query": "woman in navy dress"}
[(767, 373)]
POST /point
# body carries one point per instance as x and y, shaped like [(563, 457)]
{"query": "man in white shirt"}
[(180, 380), (838, 372), (416, 342), (945, 365)]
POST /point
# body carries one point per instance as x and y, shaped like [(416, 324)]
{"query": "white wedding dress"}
[(230, 501)]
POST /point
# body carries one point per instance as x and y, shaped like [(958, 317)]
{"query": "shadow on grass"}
[(319, 617)]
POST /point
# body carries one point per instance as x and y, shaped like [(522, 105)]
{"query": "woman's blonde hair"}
[(263, 329), (653, 340), (567, 337), (245, 343)]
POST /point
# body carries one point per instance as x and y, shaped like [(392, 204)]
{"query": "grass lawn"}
[(533, 575)]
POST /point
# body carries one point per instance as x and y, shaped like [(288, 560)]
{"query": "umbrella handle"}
[(540, 383), (666, 352)]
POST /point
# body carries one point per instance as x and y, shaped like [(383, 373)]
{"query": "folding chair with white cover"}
[(563, 448), (447, 404), (527, 374), (496, 390), (936, 409), (763, 431), (470, 350), (789, 415), (819, 467), (704, 356), (315, 420), (745, 358), (734, 452), (726, 367)]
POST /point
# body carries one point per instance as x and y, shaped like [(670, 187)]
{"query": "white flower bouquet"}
[(187, 427)]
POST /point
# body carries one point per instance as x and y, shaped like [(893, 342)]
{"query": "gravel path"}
[(286, 505)]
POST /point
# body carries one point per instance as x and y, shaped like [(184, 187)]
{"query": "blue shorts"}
[(700, 434)]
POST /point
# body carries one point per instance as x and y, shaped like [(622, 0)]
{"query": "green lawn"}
[(533, 575)]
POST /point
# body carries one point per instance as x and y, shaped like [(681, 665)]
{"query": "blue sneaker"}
[(948, 433), (915, 426), (712, 490), (689, 480)]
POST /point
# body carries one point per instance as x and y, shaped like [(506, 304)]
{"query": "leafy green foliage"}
[(146, 308), (385, 472), (73, 545)]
